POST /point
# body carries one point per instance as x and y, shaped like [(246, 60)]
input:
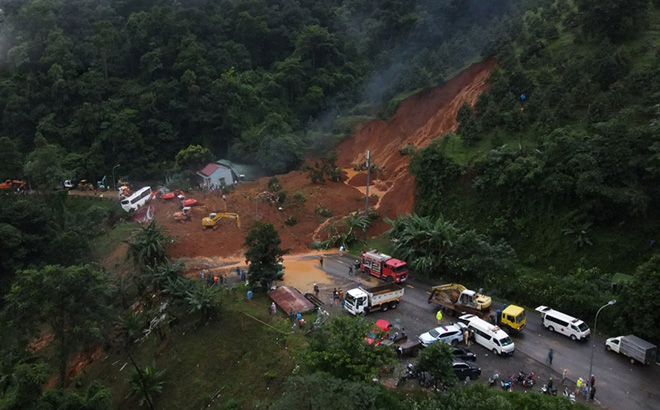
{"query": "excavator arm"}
[(213, 219)]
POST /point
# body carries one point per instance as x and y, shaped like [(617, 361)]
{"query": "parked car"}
[(464, 354), (451, 334), (379, 332), (463, 369)]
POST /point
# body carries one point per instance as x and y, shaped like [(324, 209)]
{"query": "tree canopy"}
[(55, 296), (263, 255)]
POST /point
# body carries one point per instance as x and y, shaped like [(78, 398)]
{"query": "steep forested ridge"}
[(133, 82), (558, 159)]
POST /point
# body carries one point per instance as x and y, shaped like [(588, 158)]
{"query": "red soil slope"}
[(419, 119)]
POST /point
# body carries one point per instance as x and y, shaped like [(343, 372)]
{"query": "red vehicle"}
[(384, 266), (380, 331)]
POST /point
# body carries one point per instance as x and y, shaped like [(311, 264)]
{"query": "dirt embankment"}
[(419, 119)]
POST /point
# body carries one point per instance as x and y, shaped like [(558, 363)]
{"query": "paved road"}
[(619, 384)]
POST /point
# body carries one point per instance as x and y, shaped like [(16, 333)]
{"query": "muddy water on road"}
[(302, 273)]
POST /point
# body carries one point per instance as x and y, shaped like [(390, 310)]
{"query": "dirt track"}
[(419, 119)]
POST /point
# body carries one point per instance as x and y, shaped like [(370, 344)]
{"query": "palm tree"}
[(147, 383), (160, 274), (202, 299), (581, 234), (131, 327), (422, 240), (148, 246), (178, 287)]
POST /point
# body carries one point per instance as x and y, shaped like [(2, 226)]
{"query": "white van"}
[(562, 323), (135, 201), (488, 335)]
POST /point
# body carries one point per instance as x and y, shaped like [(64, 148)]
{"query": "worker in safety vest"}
[(439, 316)]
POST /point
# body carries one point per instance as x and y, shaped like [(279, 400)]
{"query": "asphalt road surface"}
[(619, 384)]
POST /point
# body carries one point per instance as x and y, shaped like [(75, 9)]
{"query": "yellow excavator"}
[(212, 220), (83, 185)]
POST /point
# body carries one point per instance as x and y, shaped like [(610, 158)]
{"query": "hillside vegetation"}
[(555, 167), (132, 83), (539, 198)]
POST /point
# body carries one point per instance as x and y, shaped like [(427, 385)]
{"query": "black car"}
[(464, 369), (464, 354)]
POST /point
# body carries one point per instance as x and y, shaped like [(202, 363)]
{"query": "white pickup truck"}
[(364, 300)]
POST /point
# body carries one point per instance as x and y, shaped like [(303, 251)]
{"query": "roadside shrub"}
[(372, 214), (317, 246), (291, 221), (300, 197), (274, 184), (408, 149), (325, 212)]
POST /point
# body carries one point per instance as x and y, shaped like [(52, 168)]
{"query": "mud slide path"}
[(418, 120)]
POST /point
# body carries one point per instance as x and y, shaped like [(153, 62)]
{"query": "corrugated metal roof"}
[(290, 299), (209, 169), (251, 172)]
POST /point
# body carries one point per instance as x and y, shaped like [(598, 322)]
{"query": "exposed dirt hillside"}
[(419, 119)]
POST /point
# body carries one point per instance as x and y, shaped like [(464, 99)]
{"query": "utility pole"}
[(113, 176), (366, 205)]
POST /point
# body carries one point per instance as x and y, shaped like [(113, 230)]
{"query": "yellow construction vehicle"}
[(212, 220), (457, 299), (83, 185)]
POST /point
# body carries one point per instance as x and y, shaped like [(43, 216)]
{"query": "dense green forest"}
[(134, 82)]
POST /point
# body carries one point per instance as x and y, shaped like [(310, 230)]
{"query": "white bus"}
[(135, 201)]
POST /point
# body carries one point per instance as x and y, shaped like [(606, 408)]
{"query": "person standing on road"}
[(438, 316), (592, 382), (350, 270), (551, 354), (316, 290), (578, 386), (466, 337), (321, 260), (341, 250)]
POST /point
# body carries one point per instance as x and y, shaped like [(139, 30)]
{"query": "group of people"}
[(581, 385), (241, 274), (211, 280), (297, 320), (216, 280)]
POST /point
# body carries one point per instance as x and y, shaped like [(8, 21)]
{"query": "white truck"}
[(364, 300), (633, 347)]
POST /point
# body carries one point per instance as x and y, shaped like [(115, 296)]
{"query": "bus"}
[(135, 201)]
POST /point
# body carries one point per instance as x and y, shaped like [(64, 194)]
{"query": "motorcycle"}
[(569, 394), (552, 391), (508, 385), (527, 380), (410, 373), (493, 379)]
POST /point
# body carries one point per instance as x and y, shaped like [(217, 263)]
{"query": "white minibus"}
[(135, 201), (488, 335), (562, 323)]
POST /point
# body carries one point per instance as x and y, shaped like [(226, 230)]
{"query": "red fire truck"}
[(383, 266)]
